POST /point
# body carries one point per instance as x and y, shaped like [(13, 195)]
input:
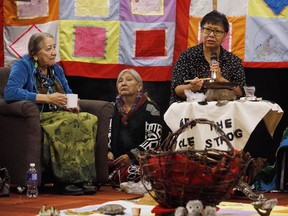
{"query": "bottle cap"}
[(32, 164)]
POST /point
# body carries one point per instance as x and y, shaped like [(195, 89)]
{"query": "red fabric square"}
[(150, 43)]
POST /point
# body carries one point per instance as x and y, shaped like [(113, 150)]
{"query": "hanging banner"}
[(100, 38)]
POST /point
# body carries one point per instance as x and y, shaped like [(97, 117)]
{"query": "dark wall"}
[(271, 84), (105, 89)]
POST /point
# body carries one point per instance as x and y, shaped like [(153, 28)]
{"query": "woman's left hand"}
[(122, 161), (74, 110)]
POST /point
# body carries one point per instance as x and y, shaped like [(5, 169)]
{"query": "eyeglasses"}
[(216, 32)]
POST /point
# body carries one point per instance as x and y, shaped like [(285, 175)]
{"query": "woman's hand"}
[(60, 100), (196, 84), (121, 161), (57, 99), (215, 67), (219, 78), (110, 157), (74, 110)]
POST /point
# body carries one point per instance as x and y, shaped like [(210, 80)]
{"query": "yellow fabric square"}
[(67, 40)]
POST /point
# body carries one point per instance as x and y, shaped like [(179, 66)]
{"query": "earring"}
[(36, 65)]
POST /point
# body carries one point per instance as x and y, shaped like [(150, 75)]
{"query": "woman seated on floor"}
[(69, 135), (135, 127)]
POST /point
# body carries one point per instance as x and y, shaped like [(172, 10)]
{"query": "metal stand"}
[(261, 204)]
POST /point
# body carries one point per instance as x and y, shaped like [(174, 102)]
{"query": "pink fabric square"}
[(90, 42)]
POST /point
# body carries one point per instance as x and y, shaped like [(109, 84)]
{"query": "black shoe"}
[(89, 189), (72, 190)]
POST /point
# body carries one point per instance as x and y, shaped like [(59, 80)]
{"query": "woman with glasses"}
[(198, 62)]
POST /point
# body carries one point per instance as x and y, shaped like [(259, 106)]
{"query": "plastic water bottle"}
[(32, 181)]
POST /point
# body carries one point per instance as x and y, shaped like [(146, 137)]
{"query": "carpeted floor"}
[(20, 205)]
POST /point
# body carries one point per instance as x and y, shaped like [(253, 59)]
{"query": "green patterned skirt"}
[(69, 141)]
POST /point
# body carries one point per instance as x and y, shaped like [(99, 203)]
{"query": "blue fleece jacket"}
[(21, 84)]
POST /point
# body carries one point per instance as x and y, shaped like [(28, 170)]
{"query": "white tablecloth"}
[(237, 119)]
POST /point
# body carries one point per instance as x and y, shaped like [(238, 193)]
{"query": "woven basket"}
[(179, 176)]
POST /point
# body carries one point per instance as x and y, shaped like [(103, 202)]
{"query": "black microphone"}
[(213, 58)]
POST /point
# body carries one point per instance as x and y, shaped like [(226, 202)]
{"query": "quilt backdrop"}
[(99, 38)]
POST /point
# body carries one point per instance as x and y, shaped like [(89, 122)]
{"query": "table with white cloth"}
[(236, 118)]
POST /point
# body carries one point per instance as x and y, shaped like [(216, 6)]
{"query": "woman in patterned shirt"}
[(194, 63)]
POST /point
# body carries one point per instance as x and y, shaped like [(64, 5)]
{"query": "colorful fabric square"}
[(148, 7), (99, 8), (128, 12), (28, 13), (32, 9), (181, 29), (128, 44), (19, 46), (266, 41), (267, 8), (276, 6), (79, 38), (198, 8), (236, 38), (150, 43), (16, 38), (232, 8), (90, 42), (194, 35)]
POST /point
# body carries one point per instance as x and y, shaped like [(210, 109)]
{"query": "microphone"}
[(213, 58)]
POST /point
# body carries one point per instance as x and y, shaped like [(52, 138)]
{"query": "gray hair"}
[(34, 44), (134, 73)]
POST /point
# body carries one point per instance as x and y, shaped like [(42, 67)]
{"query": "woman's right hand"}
[(57, 99), (110, 155), (196, 84), (110, 159)]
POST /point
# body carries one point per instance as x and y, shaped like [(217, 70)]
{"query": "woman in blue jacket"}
[(69, 135)]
